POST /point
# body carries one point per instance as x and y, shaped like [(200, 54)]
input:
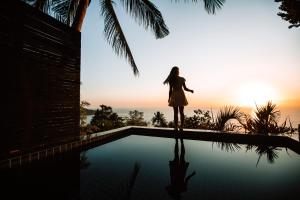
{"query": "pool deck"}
[(96, 139)]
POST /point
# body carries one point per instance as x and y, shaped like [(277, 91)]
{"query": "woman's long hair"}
[(172, 78)]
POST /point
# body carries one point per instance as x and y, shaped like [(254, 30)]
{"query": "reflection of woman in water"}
[(177, 97), (178, 168)]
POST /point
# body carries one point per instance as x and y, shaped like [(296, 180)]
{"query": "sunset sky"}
[(245, 54)]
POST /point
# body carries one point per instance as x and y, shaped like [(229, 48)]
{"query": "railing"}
[(88, 141), (83, 142)]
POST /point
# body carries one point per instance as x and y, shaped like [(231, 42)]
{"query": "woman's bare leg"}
[(175, 117), (181, 111)]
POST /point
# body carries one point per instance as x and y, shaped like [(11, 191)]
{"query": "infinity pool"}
[(143, 167)]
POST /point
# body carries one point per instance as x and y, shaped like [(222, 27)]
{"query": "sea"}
[(293, 114)]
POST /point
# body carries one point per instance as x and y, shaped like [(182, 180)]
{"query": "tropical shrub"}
[(105, 119), (159, 120), (135, 118)]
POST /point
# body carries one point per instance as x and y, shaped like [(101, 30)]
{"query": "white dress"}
[(177, 96)]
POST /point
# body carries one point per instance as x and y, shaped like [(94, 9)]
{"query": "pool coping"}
[(96, 139), (218, 136)]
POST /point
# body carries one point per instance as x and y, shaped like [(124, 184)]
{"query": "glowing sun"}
[(257, 93)]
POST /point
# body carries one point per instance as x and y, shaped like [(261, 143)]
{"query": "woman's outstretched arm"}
[(187, 89)]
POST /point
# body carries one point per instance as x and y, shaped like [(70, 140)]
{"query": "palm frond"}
[(60, 8), (43, 5), (147, 14), (72, 11), (65, 10), (225, 114), (210, 5), (229, 147), (114, 34), (271, 152), (268, 112), (266, 116)]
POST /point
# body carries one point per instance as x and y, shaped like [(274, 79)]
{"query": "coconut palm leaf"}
[(225, 114), (65, 9), (147, 14), (247, 123), (266, 116), (72, 11), (114, 34), (271, 152), (267, 113), (159, 120), (229, 147), (43, 5), (61, 8), (210, 5)]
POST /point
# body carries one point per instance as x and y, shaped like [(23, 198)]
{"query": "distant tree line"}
[(105, 119), (228, 119)]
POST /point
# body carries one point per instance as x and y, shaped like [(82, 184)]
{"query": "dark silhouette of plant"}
[(105, 119), (159, 120), (72, 13), (83, 114), (191, 122), (210, 5), (90, 129), (228, 147), (291, 12), (265, 121), (171, 124), (266, 116), (270, 151), (135, 118), (224, 116), (201, 119)]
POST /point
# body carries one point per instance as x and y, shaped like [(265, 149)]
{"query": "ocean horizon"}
[(292, 113)]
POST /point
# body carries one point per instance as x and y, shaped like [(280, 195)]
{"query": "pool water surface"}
[(143, 167)]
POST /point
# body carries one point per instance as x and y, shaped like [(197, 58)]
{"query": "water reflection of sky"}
[(234, 172)]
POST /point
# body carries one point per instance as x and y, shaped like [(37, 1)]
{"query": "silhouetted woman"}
[(177, 97), (178, 168)]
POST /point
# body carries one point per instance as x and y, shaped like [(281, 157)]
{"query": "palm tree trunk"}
[(80, 14)]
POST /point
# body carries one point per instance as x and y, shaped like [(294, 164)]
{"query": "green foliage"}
[(210, 5), (171, 124), (265, 121), (271, 152), (159, 120), (201, 119), (135, 118), (90, 129), (83, 113), (291, 11), (225, 115), (144, 12), (105, 119)]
